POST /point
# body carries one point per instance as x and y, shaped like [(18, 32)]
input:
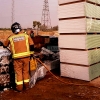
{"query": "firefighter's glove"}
[(32, 34), (1, 44), (31, 47), (33, 56)]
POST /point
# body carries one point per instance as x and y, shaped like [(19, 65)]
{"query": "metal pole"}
[(45, 20), (12, 20)]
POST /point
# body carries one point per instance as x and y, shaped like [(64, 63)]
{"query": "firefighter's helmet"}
[(16, 28)]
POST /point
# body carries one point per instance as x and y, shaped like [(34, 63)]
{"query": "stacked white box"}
[(79, 40)]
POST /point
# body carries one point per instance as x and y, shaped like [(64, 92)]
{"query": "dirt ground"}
[(50, 88)]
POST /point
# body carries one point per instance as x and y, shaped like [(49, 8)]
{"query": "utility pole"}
[(12, 20), (45, 20)]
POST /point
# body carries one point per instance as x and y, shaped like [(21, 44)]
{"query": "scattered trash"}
[(38, 74), (50, 59)]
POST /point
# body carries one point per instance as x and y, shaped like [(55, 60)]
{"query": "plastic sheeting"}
[(38, 74)]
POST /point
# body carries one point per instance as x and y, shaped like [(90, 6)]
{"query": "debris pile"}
[(4, 68), (50, 59)]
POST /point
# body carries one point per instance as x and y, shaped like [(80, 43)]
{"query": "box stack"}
[(79, 39)]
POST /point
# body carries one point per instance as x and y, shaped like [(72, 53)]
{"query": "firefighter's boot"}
[(19, 88), (26, 85)]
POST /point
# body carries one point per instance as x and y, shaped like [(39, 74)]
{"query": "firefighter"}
[(21, 46)]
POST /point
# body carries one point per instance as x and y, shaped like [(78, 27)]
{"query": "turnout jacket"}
[(19, 45)]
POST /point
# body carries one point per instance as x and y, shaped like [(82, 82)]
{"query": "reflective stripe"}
[(20, 54), (18, 83), (31, 52), (26, 80), (12, 45), (16, 55), (22, 34), (27, 43)]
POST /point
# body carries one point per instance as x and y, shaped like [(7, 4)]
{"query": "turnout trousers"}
[(21, 67)]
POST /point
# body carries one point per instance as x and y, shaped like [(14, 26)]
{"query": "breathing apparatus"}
[(16, 28)]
